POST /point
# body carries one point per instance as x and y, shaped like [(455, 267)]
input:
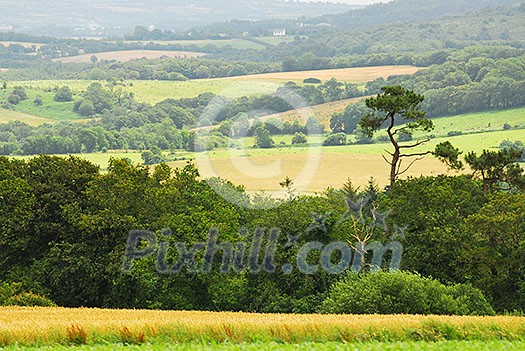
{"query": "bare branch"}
[(416, 154), (410, 165), (414, 145)]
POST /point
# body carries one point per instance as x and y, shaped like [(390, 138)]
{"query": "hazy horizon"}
[(349, 2)]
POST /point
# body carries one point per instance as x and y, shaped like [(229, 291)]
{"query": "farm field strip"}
[(337, 163), (488, 121), (9, 115), (306, 346), (23, 43), (232, 87), (354, 75), (45, 326), (322, 112), (128, 55), (155, 91), (99, 158)]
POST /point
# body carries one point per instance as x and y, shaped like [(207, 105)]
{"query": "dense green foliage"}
[(403, 293), (65, 227)]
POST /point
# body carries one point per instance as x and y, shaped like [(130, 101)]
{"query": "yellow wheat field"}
[(354, 74), (30, 325)]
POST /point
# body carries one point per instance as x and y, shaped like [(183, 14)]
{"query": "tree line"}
[(65, 229)]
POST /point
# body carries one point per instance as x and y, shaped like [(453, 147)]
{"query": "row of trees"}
[(65, 229)]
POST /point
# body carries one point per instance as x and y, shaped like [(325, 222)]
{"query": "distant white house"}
[(279, 33)]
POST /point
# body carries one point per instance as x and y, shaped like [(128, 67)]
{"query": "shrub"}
[(86, 108), (299, 138), (21, 92), (383, 139), (335, 139), (506, 126), (312, 81), (454, 133), (13, 294), (29, 299), (63, 94), (13, 99), (402, 292), (38, 100)]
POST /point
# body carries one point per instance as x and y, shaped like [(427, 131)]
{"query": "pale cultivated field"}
[(322, 112), (8, 115), (354, 75), (310, 173), (24, 44), (127, 55)]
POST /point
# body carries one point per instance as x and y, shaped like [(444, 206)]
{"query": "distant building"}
[(279, 33)]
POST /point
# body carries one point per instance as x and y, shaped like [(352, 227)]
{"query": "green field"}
[(479, 122), (329, 346), (232, 87), (49, 109), (155, 91)]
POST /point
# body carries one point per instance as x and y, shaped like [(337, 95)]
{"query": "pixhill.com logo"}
[(259, 253)]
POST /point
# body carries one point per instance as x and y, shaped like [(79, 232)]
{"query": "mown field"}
[(9, 115), (354, 75), (316, 168), (42, 326), (128, 55)]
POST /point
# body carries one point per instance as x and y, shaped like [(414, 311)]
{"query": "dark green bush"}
[(312, 81), (405, 293), (335, 139)]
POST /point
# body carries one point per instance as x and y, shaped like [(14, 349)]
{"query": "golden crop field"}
[(53, 325), (127, 55), (332, 169), (322, 112), (354, 75)]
